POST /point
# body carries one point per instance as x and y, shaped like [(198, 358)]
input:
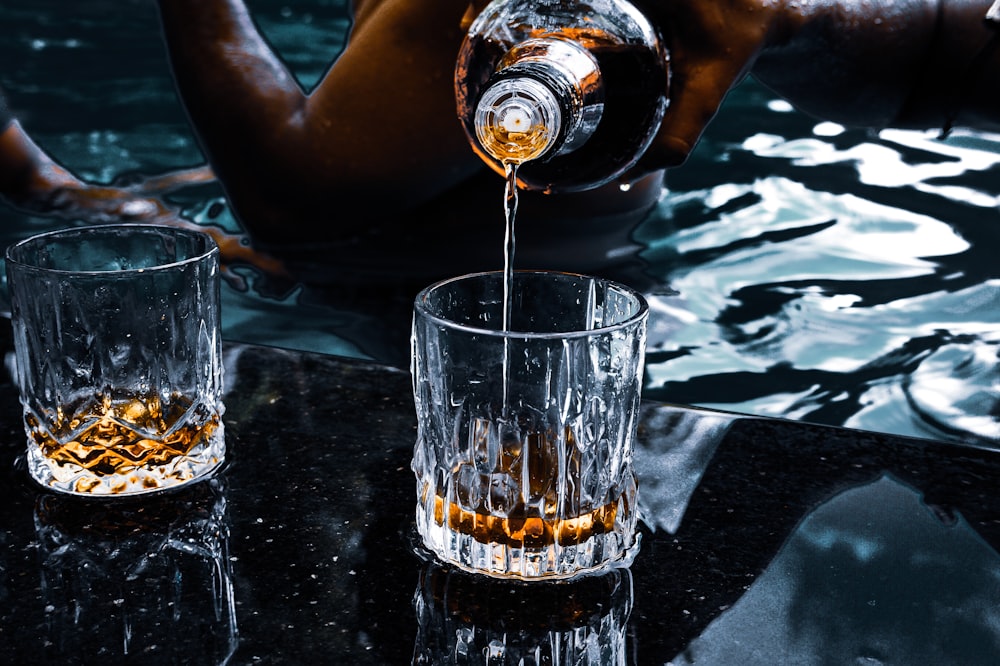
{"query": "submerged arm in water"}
[(40, 185)]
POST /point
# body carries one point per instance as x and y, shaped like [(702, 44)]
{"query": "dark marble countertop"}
[(764, 542)]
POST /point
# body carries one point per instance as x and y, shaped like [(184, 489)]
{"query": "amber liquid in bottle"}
[(635, 84)]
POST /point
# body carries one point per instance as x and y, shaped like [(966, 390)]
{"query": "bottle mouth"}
[(517, 119)]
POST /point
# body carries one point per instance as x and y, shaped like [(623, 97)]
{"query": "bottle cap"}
[(517, 119)]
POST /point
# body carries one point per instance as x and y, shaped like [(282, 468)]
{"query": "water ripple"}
[(838, 280)]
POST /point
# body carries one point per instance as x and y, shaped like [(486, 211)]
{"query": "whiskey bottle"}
[(568, 92)]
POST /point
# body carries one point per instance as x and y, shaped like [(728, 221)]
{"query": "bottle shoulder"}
[(606, 72), (590, 22)]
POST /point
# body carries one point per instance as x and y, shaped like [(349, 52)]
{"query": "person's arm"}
[(881, 63), (32, 181), (28, 176), (919, 64), (383, 113)]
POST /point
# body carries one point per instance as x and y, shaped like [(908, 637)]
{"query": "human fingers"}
[(697, 92), (712, 45)]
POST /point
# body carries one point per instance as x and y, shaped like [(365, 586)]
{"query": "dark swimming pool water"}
[(837, 276)]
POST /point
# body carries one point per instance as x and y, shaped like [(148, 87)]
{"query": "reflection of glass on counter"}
[(466, 618), (147, 577)]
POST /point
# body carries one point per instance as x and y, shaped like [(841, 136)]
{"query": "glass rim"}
[(640, 315), (211, 248)]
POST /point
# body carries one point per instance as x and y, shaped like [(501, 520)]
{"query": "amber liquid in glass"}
[(522, 528), (108, 438), (551, 516)]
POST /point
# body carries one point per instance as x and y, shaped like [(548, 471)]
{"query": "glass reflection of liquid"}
[(145, 578), (464, 618)]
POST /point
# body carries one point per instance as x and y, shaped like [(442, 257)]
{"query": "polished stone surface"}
[(764, 542)]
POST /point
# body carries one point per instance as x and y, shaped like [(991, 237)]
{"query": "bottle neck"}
[(518, 119), (545, 98)]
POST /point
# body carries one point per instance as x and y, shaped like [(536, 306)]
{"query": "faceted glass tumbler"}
[(523, 458), (118, 357)]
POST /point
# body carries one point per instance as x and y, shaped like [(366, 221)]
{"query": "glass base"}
[(553, 561), (74, 479), (957, 391)]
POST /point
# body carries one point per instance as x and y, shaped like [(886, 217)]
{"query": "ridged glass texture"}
[(118, 355), (523, 459)]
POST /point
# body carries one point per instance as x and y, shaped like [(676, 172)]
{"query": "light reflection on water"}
[(821, 273), (846, 279)]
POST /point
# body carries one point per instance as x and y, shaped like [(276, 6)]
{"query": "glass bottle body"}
[(572, 92)]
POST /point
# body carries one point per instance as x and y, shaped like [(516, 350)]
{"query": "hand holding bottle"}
[(884, 63), (573, 90), (712, 45)]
